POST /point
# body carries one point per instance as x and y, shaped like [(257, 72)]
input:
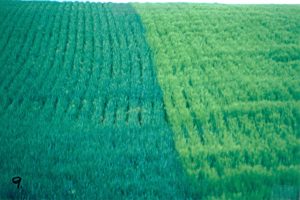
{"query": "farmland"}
[(149, 101), (231, 82)]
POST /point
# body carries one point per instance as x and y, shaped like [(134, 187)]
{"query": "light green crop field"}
[(149, 101), (231, 82)]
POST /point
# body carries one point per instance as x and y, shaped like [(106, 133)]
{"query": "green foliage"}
[(230, 78), (81, 112)]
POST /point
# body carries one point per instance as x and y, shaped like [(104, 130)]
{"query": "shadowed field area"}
[(81, 112)]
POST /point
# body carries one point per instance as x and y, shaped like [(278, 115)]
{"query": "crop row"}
[(89, 66)]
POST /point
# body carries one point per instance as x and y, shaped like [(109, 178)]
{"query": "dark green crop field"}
[(81, 110), (149, 101)]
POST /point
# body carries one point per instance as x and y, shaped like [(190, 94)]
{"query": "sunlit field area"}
[(231, 79)]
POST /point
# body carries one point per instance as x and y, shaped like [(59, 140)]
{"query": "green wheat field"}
[(149, 101)]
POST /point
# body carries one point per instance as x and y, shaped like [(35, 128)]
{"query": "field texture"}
[(149, 101), (231, 82), (81, 112)]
